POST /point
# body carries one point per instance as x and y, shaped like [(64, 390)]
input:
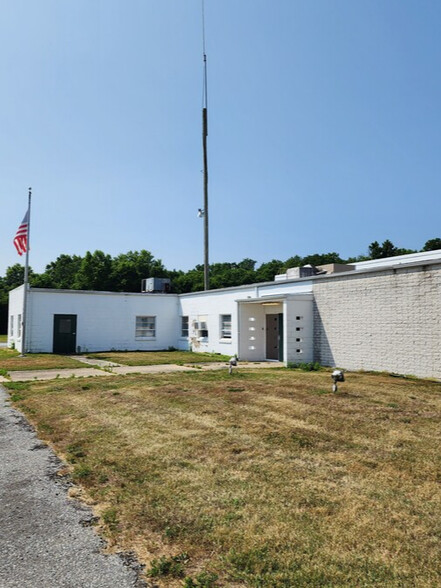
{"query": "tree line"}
[(123, 273)]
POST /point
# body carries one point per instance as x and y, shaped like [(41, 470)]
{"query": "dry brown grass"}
[(11, 361), (263, 478), (158, 357)]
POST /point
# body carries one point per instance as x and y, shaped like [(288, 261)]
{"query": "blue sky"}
[(324, 126)]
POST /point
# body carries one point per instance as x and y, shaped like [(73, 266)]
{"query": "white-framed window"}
[(225, 326), (145, 326), (19, 326), (184, 326), (11, 325)]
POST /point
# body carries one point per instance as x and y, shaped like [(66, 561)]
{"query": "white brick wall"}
[(386, 320), (15, 309), (105, 320)]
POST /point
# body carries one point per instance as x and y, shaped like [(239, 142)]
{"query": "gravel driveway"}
[(45, 537)]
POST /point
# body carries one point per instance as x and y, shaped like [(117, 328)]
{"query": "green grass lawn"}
[(3, 338), (157, 357), (10, 360), (261, 479)]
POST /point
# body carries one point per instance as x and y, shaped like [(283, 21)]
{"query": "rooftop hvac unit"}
[(156, 285), (301, 272)]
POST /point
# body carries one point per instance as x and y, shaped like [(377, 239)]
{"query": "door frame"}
[(279, 336), (73, 333)]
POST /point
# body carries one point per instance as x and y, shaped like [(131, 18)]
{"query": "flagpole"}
[(26, 280)]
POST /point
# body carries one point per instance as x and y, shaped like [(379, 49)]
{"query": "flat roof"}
[(365, 269)]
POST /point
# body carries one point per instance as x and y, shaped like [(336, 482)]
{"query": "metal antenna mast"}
[(204, 145)]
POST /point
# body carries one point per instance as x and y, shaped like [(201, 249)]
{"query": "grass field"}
[(262, 479), (157, 357), (3, 338), (11, 361)]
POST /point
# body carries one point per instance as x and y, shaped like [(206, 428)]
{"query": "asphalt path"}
[(46, 538)]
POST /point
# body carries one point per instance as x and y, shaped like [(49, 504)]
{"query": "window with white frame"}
[(11, 325), (184, 326), (19, 325), (225, 326), (145, 326)]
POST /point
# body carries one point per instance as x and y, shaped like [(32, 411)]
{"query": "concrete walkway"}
[(119, 370), (46, 540)]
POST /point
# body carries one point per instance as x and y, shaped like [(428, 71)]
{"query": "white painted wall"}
[(248, 320), (212, 305), (252, 332), (105, 320), (298, 329), (15, 309)]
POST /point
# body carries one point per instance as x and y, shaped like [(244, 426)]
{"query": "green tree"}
[(60, 273), (224, 275), (128, 269), (191, 281), (94, 272), (387, 249), (294, 261), (322, 258), (267, 271), (13, 278), (432, 244)]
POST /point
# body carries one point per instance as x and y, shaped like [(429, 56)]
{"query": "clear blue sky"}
[(324, 126)]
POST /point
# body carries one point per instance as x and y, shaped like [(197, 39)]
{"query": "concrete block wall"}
[(104, 320), (386, 320)]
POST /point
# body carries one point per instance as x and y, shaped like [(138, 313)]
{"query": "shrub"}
[(312, 366)]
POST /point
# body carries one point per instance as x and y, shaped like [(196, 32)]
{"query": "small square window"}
[(145, 326)]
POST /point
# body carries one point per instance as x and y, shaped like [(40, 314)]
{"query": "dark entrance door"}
[(65, 333), (274, 336)]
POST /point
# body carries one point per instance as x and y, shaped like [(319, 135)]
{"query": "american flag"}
[(21, 237)]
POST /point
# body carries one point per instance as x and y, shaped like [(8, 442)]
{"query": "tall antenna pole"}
[(204, 145)]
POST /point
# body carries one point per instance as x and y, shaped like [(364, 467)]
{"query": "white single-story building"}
[(375, 315)]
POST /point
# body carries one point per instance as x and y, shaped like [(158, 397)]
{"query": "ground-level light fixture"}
[(337, 376)]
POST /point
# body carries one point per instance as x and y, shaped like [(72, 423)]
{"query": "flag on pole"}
[(21, 237)]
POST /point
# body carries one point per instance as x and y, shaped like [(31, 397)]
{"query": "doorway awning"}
[(274, 298)]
